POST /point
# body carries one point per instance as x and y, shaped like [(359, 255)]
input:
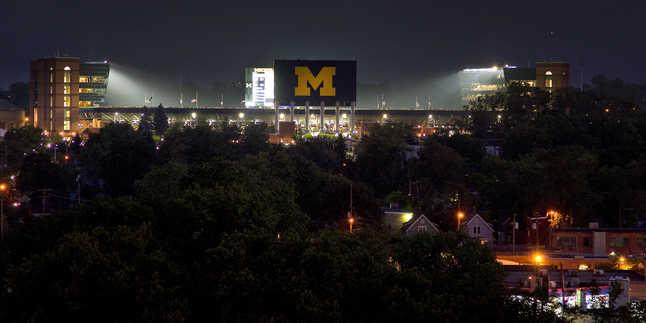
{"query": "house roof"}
[(7, 106), (477, 216), (415, 219)]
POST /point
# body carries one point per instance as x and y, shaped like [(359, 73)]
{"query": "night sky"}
[(403, 41)]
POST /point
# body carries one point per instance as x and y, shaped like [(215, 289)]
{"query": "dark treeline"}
[(18, 95), (214, 223)]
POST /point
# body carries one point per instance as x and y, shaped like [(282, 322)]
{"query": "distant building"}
[(11, 116), (479, 82), (480, 229), (395, 218), (551, 76), (54, 94), (599, 241), (93, 83), (59, 86), (419, 224)]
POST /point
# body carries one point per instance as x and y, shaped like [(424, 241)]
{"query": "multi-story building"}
[(479, 82), (93, 83), (59, 86), (54, 94), (551, 76)]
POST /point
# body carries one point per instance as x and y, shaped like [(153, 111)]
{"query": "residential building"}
[(419, 224), (478, 228)]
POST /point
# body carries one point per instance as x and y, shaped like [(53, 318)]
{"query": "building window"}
[(421, 228), (587, 241), (51, 77), (619, 242), (566, 241), (67, 89), (548, 79), (84, 79), (66, 118), (67, 77), (66, 101), (422, 221), (476, 230)]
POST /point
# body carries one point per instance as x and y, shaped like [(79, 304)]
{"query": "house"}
[(395, 218), (478, 228), (419, 224)]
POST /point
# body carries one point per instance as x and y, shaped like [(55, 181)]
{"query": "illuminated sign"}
[(259, 87), (302, 80)]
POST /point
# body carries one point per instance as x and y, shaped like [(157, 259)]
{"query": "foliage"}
[(160, 121), (380, 157)]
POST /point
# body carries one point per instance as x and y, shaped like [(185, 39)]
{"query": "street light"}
[(460, 215), (3, 190), (351, 220)]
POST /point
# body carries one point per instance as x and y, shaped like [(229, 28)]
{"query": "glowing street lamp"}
[(460, 215), (3, 191), (351, 220)]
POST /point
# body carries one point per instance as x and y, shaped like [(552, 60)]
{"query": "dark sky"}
[(399, 41)]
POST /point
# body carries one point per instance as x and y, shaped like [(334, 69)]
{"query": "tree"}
[(100, 275), (381, 156), (256, 138), (127, 156), (145, 123), (160, 121), (21, 142)]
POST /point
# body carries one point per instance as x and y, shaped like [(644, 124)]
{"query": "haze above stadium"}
[(403, 42)]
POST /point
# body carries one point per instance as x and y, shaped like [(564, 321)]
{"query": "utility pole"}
[(562, 290), (513, 235), (45, 190), (3, 190)]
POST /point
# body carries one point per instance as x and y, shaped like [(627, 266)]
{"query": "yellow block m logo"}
[(305, 76)]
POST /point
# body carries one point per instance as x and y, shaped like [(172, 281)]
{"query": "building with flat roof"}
[(59, 86), (93, 83), (54, 94), (479, 82)]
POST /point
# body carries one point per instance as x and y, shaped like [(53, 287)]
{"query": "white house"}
[(419, 224), (479, 228)]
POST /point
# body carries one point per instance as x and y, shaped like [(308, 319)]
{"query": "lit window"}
[(66, 101), (548, 79)]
